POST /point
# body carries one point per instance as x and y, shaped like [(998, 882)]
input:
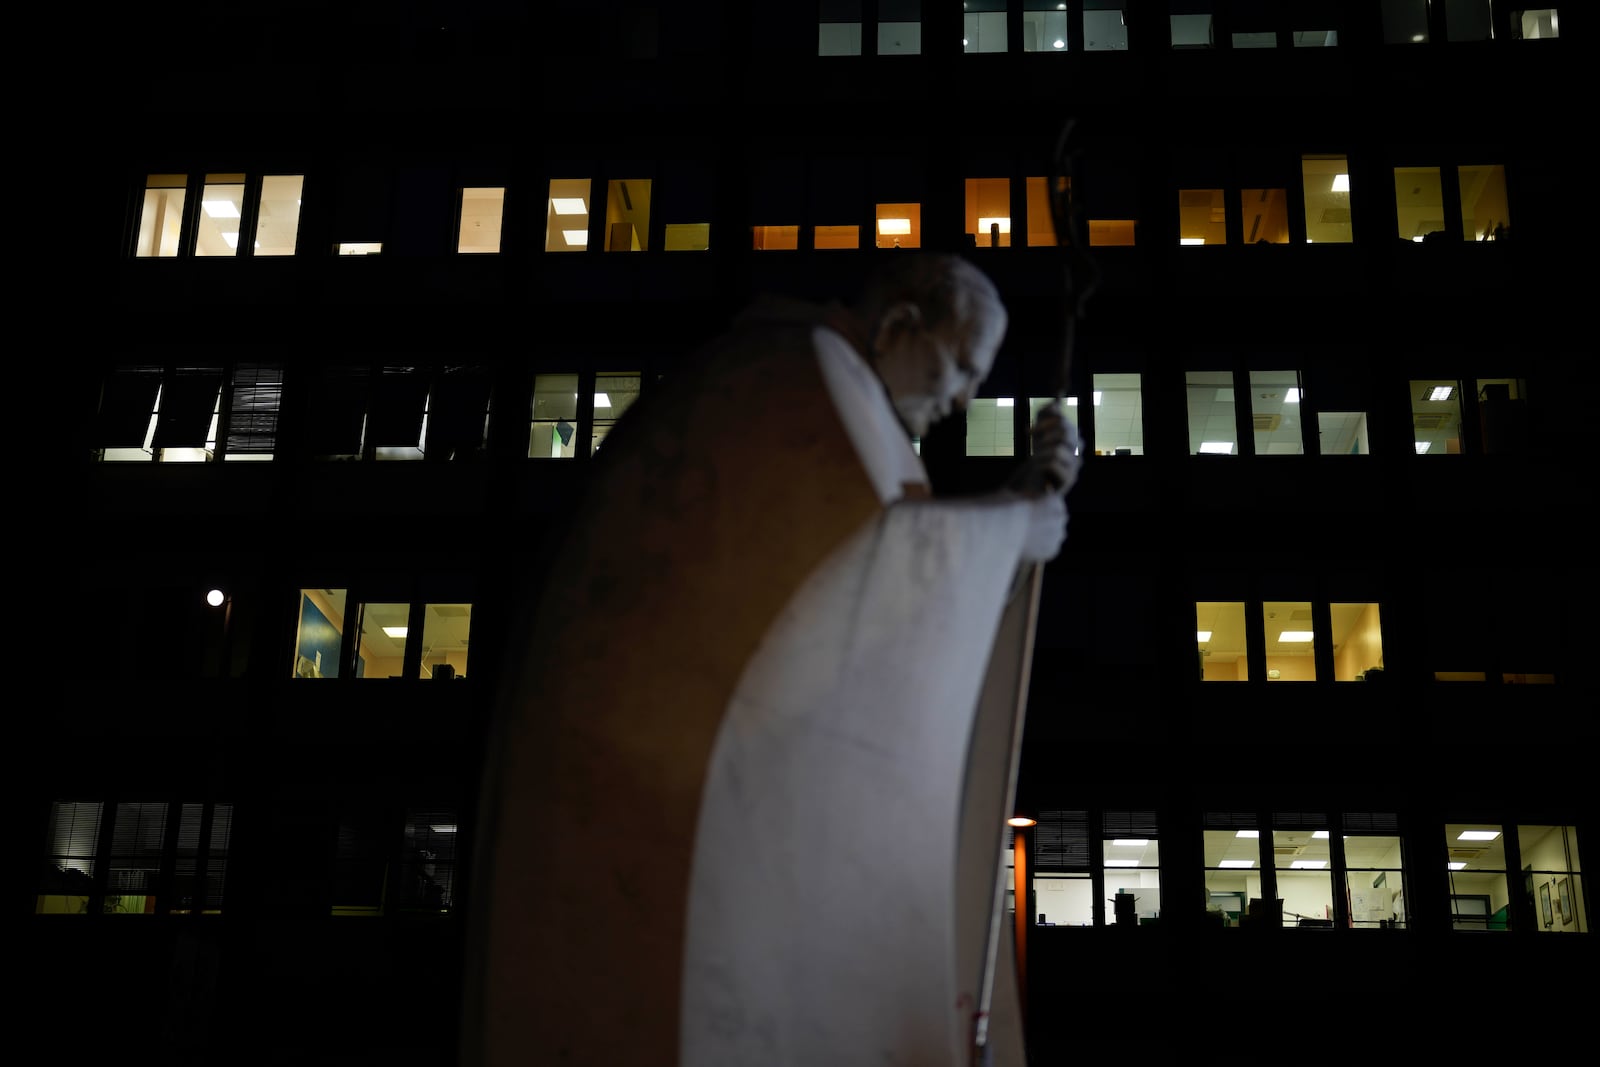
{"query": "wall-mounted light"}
[(216, 598), (1021, 820)]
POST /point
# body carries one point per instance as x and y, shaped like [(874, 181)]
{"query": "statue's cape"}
[(723, 804)]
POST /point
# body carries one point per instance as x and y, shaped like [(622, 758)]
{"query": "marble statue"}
[(727, 814)]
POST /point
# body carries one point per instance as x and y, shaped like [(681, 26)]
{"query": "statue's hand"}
[(1053, 465), (1047, 528)]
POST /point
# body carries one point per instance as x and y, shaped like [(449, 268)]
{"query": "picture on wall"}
[(1564, 891), (1544, 904)]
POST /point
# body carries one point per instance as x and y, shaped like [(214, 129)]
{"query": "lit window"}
[(370, 878), (278, 215), (481, 212), (555, 416), (839, 28), (991, 426), (1485, 215), (1374, 873), (1265, 215), (1436, 417), (614, 394), (1290, 641), (1357, 643), (446, 632), (1301, 859), (1044, 26), (628, 215), (686, 237), (319, 634), (221, 215), (1535, 24), (1232, 851), (360, 248), (171, 415), (1479, 895), (1061, 879), (1116, 417), (899, 27), (774, 238), (426, 873), (988, 212), (1112, 232), (1041, 223), (1326, 184), (1255, 39), (1131, 859), (983, 26), (1191, 24), (1069, 406), (899, 225), (1419, 203), (567, 215), (836, 237), (1342, 433), (149, 848), (1220, 637), (161, 215), (1550, 863), (1275, 412), (1202, 217), (1213, 426), (1104, 27)]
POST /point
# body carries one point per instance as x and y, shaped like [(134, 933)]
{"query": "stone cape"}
[(722, 812)]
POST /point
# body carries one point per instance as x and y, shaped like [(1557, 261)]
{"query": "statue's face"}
[(930, 372)]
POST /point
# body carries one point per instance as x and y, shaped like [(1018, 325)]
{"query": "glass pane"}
[(1044, 26), (1213, 429), (1373, 880), (983, 26), (991, 426), (775, 238), (1326, 181), (1104, 28), (1202, 217), (1063, 900), (135, 861), (1436, 417), (68, 877), (1041, 224), (628, 215), (481, 212), (278, 215), (899, 27), (1484, 213), (1118, 415), (1266, 216), (1502, 414), (1357, 643), (836, 237), (1069, 405), (567, 218), (1233, 876), (613, 395), (161, 217), (1468, 20), (360, 248), (1550, 861), (1405, 21), (426, 877), (1477, 860), (686, 237), (1112, 232), (446, 629), (1289, 640), (1255, 39), (839, 28), (1316, 38), (1418, 203), (899, 225), (1535, 24), (382, 651), (1220, 634), (555, 416), (1192, 31), (989, 212), (1275, 412), (221, 209), (320, 632), (1305, 881), (1342, 433)]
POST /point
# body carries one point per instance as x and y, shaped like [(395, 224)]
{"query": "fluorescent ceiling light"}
[(1321, 835), (568, 205), (1457, 865), (1132, 842), (1072, 401), (1341, 183), (576, 237), (1097, 398), (1296, 636), (1248, 833), (443, 828), (1202, 636), (220, 209), (1441, 392), (892, 226), (1217, 448), (1418, 38), (1292, 396), (1122, 863), (1309, 865), (1236, 863), (1005, 401), (1417, 240), (1191, 240), (1423, 446), (985, 224), (601, 400), (395, 631), (1478, 835)]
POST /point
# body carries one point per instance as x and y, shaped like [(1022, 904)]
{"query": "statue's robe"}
[(724, 802)]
